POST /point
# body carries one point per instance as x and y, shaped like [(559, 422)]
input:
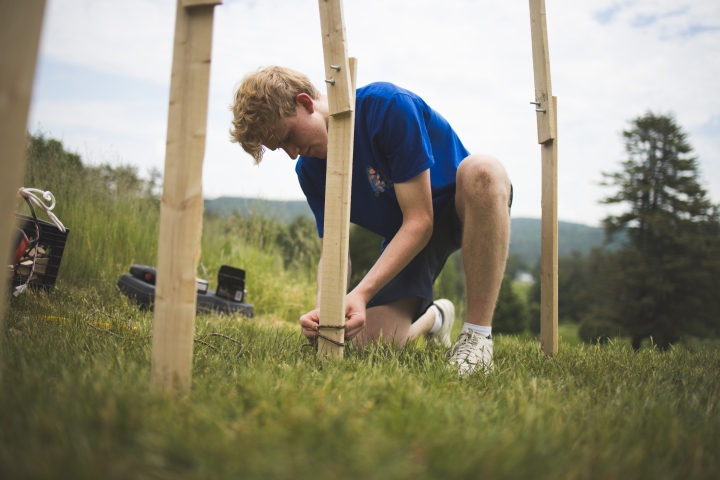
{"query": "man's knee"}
[(482, 178)]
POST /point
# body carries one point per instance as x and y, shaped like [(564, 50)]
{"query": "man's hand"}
[(354, 314), (309, 323)]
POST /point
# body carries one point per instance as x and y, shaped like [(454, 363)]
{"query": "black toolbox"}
[(140, 286)]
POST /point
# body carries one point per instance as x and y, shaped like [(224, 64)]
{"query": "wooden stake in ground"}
[(20, 24), (341, 129), (182, 202), (546, 108)]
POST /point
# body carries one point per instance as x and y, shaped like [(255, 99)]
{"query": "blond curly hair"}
[(262, 99)]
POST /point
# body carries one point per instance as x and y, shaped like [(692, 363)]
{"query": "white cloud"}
[(610, 61), (132, 37)]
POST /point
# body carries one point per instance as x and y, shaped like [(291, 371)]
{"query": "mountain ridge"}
[(524, 242)]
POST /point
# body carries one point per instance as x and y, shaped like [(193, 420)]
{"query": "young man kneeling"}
[(415, 185)]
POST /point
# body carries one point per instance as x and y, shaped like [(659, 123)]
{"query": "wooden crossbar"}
[(341, 100), (182, 202), (547, 136), (541, 67), (20, 25)]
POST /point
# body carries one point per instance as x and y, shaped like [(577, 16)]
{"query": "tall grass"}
[(75, 403), (113, 216), (111, 213), (251, 244)]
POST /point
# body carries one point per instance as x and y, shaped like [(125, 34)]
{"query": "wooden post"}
[(547, 136), (549, 248), (341, 129), (182, 202), (20, 25)]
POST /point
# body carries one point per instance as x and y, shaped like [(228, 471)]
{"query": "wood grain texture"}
[(335, 52), (549, 247), (199, 3), (352, 61), (182, 203), (341, 131), (546, 121), (20, 25)]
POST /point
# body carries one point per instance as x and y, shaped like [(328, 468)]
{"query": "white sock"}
[(484, 331), (438, 319)]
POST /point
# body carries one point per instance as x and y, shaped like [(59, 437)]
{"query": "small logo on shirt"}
[(378, 181)]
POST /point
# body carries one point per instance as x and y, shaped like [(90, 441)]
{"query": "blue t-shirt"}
[(397, 136)]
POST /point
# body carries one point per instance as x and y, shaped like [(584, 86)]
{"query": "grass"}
[(568, 334), (75, 403), (522, 289), (275, 291), (75, 368), (113, 216)]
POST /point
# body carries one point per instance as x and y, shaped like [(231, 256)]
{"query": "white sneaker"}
[(442, 336), (471, 352)]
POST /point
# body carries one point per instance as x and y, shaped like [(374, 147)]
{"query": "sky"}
[(103, 80)]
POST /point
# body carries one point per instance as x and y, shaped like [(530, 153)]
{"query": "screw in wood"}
[(535, 103), (540, 110), (335, 67), (331, 81)]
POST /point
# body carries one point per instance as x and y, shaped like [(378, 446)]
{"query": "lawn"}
[(75, 403), (75, 374)]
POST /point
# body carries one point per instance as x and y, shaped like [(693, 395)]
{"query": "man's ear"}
[(304, 100)]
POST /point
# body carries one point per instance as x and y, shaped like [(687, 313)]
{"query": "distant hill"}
[(525, 239), (284, 211)]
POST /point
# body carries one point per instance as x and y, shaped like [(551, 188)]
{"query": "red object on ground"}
[(21, 244)]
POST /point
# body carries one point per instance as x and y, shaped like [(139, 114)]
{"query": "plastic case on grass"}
[(51, 246), (140, 286)]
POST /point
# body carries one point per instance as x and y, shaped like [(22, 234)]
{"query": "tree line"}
[(659, 279), (658, 274), (663, 281)]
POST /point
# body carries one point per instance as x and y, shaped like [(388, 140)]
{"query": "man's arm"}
[(415, 199)]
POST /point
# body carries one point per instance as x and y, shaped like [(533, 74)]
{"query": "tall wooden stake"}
[(182, 202), (341, 129), (547, 137), (20, 25)]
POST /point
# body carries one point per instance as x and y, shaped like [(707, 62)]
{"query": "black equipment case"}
[(139, 285)]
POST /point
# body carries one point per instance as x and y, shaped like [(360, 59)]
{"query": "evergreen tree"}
[(666, 279)]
